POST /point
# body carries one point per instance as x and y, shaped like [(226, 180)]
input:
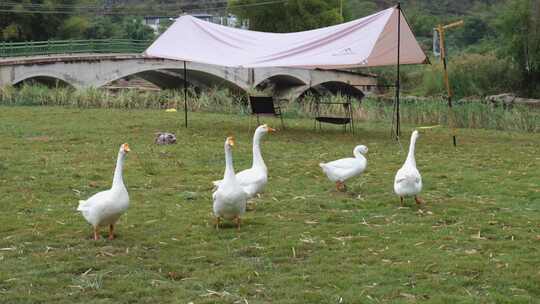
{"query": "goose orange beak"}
[(126, 147)]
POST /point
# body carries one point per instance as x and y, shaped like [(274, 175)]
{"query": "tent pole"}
[(398, 127), (185, 93)]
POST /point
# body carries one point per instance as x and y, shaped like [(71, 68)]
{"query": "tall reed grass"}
[(474, 114), (425, 112), (470, 75), (38, 95)]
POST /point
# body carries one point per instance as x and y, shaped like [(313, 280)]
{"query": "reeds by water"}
[(423, 112)]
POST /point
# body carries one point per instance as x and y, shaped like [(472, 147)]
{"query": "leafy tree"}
[(422, 23), (25, 25), (518, 25), (74, 27), (164, 25), (28, 20), (12, 32), (354, 9), (290, 16), (103, 27), (134, 28)]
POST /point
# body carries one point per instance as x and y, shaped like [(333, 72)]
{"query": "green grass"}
[(476, 240)]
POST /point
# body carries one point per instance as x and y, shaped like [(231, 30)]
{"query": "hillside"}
[(352, 8)]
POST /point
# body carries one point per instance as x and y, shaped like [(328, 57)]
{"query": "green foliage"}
[(475, 30), (26, 27), (134, 28), (518, 26), (103, 27), (71, 24), (354, 9), (290, 16), (421, 23), (75, 27), (471, 75), (11, 32), (164, 25)]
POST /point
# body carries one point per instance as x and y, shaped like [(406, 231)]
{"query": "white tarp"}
[(365, 42)]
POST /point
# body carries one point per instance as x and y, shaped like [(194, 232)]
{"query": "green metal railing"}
[(33, 48)]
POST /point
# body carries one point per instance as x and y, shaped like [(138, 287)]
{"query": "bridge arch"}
[(341, 87), (281, 75), (169, 74), (48, 78), (332, 87), (279, 82)]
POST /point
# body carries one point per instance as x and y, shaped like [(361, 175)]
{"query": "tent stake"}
[(185, 93)]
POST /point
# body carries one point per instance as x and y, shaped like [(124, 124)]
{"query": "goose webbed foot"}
[(217, 221), (96, 233), (340, 186), (111, 232), (237, 221), (418, 200)]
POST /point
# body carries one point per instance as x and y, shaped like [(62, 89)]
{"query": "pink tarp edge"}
[(366, 42)]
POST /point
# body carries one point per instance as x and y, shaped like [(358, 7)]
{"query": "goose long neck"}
[(229, 169), (257, 156), (410, 157), (118, 179)]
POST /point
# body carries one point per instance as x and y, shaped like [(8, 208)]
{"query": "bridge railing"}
[(33, 48)]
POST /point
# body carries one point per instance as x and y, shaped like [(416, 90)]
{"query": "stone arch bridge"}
[(97, 70)]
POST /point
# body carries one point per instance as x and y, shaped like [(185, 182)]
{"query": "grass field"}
[(476, 240)]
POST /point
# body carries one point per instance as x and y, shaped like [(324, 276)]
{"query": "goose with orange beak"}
[(254, 179), (105, 208), (229, 198), (408, 181), (342, 169)]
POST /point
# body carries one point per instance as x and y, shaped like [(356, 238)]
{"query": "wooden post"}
[(451, 116)]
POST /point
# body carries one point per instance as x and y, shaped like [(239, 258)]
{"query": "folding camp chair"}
[(264, 105)]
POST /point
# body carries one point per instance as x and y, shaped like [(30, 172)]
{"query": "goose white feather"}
[(408, 181), (104, 208), (254, 179), (230, 198), (340, 170)]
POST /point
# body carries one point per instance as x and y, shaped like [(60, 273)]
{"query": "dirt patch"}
[(40, 138)]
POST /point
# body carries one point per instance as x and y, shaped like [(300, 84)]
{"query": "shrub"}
[(471, 75)]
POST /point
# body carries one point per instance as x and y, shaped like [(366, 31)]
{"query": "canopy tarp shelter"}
[(381, 39)]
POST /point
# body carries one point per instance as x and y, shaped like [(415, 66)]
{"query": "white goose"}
[(105, 207), (255, 178), (229, 198), (408, 181), (340, 170)]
